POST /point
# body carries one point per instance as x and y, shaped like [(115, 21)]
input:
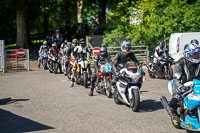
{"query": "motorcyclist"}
[(62, 47), (195, 41), (186, 69), (160, 52), (122, 58), (79, 52), (103, 55), (54, 51), (57, 38), (44, 48)]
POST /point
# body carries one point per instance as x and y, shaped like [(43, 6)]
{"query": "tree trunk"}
[(45, 22), (22, 41), (102, 14), (80, 11)]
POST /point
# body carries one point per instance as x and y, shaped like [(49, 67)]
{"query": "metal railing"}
[(16, 63)]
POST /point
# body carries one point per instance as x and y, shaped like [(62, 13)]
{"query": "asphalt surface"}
[(38, 101)]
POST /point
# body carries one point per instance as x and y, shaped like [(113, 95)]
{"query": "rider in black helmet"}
[(103, 56)]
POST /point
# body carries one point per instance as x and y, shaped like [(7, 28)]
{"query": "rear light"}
[(177, 48)]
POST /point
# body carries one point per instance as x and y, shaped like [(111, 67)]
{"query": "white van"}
[(178, 41)]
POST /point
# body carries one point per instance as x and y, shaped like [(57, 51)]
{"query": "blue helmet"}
[(191, 53)]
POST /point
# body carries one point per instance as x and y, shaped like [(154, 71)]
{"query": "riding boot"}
[(91, 91), (72, 83)]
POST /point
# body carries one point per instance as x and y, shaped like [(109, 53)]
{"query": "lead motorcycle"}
[(162, 69), (128, 86), (188, 110), (45, 60), (103, 82)]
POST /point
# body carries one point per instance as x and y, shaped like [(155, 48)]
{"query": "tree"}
[(80, 11)]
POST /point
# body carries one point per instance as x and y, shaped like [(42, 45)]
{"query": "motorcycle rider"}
[(52, 53), (122, 58), (103, 55), (160, 52), (79, 52), (44, 48), (57, 38), (195, 41), (186, 69)]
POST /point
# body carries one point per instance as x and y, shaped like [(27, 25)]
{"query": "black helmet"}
[(103, 51), (82, 42), (126, 47), (195, 41), (162, 44)]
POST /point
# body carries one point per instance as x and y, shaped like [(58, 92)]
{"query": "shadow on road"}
[(150, 105), (12, 123), (10, 100)]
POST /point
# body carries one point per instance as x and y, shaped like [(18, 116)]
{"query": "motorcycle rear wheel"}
[(176, 124), (169, 74), (116, 99), (135, 101), (151, 75)]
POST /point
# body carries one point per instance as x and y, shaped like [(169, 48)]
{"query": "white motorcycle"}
[(128, 86), (84, 75)]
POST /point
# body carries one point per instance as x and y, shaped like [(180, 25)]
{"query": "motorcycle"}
[(188, 110), (128, 86), (45, 60), (83, 75), (103, 83), (69, 68), (162, 69), (55, 64)]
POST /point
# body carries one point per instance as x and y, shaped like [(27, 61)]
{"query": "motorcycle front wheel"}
[(55, 68), (135, 101), (108, 89)]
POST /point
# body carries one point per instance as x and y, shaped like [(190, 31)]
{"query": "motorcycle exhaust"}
[(166, 105)]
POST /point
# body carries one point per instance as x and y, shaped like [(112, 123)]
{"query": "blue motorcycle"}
[(45, 60), (188, 110)]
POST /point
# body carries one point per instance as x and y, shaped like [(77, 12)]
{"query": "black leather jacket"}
[(98, 58), (121, 59), (184, 71)]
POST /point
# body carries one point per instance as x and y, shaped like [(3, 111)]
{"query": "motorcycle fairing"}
[(192, 100), (191, 123)]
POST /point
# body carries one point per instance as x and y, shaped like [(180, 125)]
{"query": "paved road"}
[(43, 102)]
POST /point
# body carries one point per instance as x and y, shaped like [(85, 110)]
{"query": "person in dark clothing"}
[(122, 58), (101, 58), (186, 69)]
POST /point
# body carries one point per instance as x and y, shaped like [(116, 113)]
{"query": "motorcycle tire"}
[(151, 75), (55, 69), (169, 74), (108, 90), (45, 65), (135, 101), (116, 99), (85, 79)]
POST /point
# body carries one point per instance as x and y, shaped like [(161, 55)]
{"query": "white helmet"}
[(126, 47)]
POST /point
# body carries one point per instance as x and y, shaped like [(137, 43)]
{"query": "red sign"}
[(20, 53), (96, 50)]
